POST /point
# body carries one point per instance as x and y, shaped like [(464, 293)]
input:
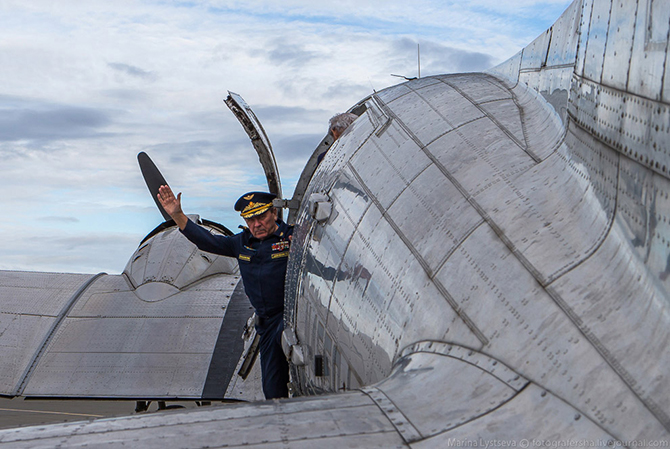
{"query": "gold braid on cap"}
[(254, 209)]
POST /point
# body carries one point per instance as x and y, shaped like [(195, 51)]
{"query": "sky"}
[(86, 86)]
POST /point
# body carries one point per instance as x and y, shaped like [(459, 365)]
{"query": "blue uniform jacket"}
[(262, 262)]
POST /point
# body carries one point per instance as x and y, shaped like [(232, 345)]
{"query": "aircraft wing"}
[(491, 272), (32, 304), (169, 327), (485, 403)]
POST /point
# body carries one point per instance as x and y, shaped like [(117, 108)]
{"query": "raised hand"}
[(172, 205)]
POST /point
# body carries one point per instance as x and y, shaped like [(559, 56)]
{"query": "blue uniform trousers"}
[(274, 367), (263, 268)]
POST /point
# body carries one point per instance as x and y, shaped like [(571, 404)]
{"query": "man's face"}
[(264, 225)]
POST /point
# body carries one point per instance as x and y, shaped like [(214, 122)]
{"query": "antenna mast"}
[(418, 60)]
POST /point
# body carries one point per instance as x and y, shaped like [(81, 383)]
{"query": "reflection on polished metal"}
[(495, 266), (152, 332)]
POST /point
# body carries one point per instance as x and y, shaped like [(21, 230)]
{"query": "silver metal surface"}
[(502, 227), (386, 415), (340, 421), (305, 177), (553, 421), (495, 267), (148, 333), (491, 385), (32, 304), (114, 344)]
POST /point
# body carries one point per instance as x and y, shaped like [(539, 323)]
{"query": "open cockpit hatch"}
[(261, 143)]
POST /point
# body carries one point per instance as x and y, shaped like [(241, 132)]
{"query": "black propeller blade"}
[(153, 178)]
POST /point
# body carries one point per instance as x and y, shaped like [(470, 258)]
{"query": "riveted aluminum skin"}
[(523, 216), (495, 269), (32, 304), (151, 332)]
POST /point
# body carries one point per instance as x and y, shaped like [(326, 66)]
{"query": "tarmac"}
[(18, 412)]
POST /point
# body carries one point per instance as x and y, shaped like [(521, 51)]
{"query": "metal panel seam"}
[(500, 126), (627, 379), (492, 410), (429, 347), (619, 148), (54, 327), (487, 218), (351, 238), (665, 65), (586, 40), (579, 32), (607, 35), (431, 275), (546, 68), (207, 278), (166, 260), (379, 128), (346, 248), (523, 124), (653, 408), (517, 392), (399, 173), (546, 54), (445, 349), (129, 281), (194, 253), (402, 124), (632, 45), (454, 129), (518, 78), (560, 272), (396, 417), (522, 118), (465, 237), (480, 210)]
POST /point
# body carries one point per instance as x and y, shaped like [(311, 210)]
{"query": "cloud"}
[(293, 55), (346, 90), (88, 85), (196, 151), (282, 114), (60, 219), (298, 147), (30, 119), (132, 71), (438, 58), (126, 95), (81, 253)]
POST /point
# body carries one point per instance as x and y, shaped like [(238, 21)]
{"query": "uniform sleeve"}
[(206, 241)]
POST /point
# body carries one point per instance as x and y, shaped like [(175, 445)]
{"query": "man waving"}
[(262, 252)]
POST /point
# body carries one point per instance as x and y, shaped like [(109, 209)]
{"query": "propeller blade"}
[(154, 179)]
